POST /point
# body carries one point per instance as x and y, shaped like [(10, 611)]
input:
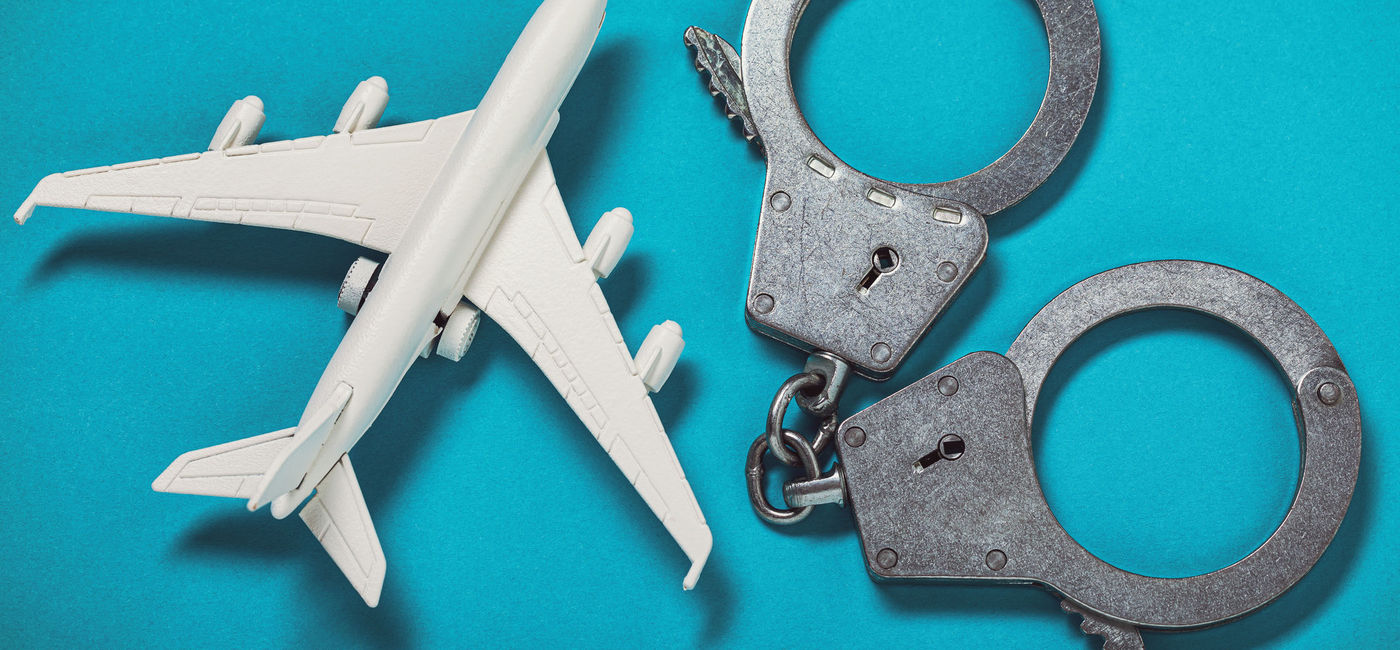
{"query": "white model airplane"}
[(467, 208)]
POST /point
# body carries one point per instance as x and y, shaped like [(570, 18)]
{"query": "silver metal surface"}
[(720, 63), (983, 516), (834, 372), (777, 412), (822, 383), (1116, 636), (827, 488), (859, 266), (753, 475)]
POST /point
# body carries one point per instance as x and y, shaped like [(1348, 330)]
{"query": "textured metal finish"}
[(720, 63), (777, 412), (1116, 636), (834, 372), (753, 475), (1279, 324), (950, 519), (821, 383), (817, 280), (828, 488)]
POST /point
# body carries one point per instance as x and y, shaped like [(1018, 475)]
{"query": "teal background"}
[(1260, 135)]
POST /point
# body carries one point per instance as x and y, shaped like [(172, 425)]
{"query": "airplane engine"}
[(240, 125), (608, 240), (458, 333), (359, 280), (365, 106), (659, 353)]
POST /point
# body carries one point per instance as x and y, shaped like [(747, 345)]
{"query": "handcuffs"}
[(939, 476)]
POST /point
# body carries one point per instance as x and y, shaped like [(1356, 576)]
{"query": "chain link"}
[(805, 382), (754, 475), (790, 447)]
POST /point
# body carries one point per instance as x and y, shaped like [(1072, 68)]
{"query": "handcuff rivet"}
[(996, 560), (1329, 393), (887, 558), (947, 271), (948, 385), (855, 436), (763, 303), (880, 352), (780, 201)]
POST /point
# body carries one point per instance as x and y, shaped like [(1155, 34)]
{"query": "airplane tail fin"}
[(337, 514)]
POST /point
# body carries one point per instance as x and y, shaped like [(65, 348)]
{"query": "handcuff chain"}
[(803, 382), (788, 446)]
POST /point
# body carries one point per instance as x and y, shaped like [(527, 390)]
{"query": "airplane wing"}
[(361, 187), (536, 283)]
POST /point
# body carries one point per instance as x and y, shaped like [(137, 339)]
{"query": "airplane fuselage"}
[(426, 275)]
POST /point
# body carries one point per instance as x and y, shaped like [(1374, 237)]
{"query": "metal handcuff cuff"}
[(939, 476)]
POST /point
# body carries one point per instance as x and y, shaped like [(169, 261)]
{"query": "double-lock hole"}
[(883, 261)]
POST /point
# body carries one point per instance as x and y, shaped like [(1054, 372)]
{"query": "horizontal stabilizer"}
[(233, 469), (337, 516)]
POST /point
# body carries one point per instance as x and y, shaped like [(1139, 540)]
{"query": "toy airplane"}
[(466, 207)]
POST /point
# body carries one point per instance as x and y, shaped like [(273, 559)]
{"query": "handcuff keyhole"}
[(950, 447), (883, 261)]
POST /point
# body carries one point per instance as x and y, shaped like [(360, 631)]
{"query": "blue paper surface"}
[(1259, 135)]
